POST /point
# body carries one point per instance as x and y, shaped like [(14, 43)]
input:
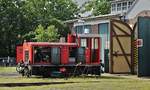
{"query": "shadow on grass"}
[(111, 77), (31, 84), (53, 83), (99, 77), (82, 77)]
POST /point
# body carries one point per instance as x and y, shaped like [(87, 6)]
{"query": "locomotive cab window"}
[(72, 55), (83, 42), (94, 49), (42, 54), (26, 56), (95, 43)]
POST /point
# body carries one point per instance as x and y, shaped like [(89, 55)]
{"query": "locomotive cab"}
[(88, 47)]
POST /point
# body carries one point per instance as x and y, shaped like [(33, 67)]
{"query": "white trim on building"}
[(91, 22), (121, 6)]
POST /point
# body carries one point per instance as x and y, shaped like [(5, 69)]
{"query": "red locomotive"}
[(79, 55)]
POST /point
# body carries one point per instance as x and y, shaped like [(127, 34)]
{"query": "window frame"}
[(119, 6), (130, 4), (81, 29), (113, 7), (124, 6)]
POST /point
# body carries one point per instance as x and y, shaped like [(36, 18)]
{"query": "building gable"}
[(140, 6)]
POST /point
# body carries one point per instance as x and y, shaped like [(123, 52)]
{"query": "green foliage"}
[(44, 9), (19, 19), (98, 7), (50, 12), (12, 23), (29, 36), (46, 35)]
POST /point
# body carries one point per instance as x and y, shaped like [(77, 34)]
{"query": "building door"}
[(105, 39), (144, 47), (120, 47)]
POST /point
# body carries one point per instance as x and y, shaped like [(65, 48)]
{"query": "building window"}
[(83, 29), (87, 29), (119, 7), (130, 4), (79, 29), (103, 28), (124, 6), (113, 7)]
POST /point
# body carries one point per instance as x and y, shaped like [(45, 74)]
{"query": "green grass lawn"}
[(7, 69), (78, 83)]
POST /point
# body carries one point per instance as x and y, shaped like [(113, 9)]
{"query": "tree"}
[(19, 19), (46, 35), (59, 9), (12, 23), (98, 7), (51, 12)]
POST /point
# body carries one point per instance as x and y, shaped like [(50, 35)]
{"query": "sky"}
[(80, 2)]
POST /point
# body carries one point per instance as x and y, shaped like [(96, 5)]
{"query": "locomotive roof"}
[(51, 43), (88, 35)]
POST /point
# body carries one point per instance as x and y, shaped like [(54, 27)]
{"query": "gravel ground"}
[(12, 74)]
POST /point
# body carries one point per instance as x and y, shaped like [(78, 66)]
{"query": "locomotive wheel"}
[(19, 68), (27, 72)]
